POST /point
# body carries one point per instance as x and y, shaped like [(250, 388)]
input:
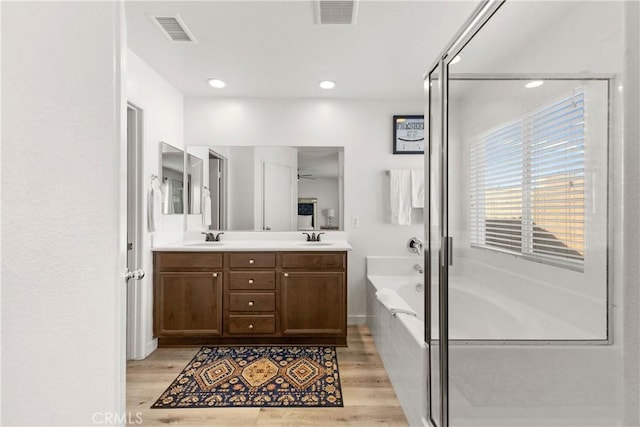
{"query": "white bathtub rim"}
[(528, 317)]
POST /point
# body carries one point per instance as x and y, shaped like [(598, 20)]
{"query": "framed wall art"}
[(408, 134)]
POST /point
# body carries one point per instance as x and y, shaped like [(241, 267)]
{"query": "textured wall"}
[(62, 324), (631, 224)]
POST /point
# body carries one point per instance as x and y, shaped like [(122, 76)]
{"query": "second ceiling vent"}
[(328, 12), (173, 29)]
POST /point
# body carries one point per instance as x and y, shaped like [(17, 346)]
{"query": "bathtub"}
[(489, 333)]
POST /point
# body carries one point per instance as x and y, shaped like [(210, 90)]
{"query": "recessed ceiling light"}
[(327, 84), (533, 84), (218, 84), (455, 60)]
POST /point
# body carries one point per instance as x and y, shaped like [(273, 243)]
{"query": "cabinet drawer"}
[(262, 324), (172, 261), (251, 280), (252, 301), (318, 261), (252, 260)]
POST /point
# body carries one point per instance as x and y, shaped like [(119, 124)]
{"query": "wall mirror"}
[(270, 188), (172, 178)]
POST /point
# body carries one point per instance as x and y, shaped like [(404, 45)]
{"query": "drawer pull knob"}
[(250, 281), (250, 303), (251, 261), (251, 326), (215, 274), (286, 274)]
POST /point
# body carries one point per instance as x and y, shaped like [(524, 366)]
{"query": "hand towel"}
[(400, 196), (417, 188), (151, 222), (206, 208)]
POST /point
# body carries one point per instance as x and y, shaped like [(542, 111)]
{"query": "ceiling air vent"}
[(173, 29), (329, 12)]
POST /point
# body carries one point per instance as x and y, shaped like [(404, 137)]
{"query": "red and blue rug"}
[(257, 377)]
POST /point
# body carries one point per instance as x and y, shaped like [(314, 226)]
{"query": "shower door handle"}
[(446, 258)]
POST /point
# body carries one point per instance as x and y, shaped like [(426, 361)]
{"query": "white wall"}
[(363, 127), (631, 222), (162, 107), (63, 246)]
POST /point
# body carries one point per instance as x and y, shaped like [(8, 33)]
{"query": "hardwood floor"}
[(368, 396)]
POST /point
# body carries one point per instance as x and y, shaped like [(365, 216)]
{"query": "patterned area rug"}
[(256, 376)]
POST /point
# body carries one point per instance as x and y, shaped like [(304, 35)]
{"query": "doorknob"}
[(136, 274)]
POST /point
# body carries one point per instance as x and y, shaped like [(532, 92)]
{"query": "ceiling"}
[(273, 49)]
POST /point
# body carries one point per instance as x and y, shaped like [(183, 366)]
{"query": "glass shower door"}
[(521, 242), (433, 232)]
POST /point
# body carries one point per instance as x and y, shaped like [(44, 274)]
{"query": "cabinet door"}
[(188, 304), (314, 303)]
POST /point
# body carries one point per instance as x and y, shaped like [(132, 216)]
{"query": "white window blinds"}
[(527, 184)]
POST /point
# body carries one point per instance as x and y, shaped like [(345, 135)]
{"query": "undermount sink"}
[(313, 244), (205, 244)]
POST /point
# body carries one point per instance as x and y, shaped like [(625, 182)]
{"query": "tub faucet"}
[(418, 268), (212, 237), (313, 237), (415, 245)]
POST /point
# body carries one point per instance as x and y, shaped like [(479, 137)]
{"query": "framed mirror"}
[(258, 188), (172, 178)]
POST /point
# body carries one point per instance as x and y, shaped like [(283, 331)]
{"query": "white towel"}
[(417, 188), (151, 221), (206, 208), (391, 300), (400, 196)]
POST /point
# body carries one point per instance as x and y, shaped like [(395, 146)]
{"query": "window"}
[(527, 185)]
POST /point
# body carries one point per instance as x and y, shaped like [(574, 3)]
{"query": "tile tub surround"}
[(398, 339), (402, 355)]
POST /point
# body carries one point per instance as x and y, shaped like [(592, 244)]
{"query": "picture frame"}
[(408, 134)]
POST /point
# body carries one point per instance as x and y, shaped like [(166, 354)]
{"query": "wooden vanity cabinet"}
[(250, 295), (244, 298), (313, 295), (187, 297)]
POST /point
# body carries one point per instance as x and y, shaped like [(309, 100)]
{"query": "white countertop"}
[(254, 245)]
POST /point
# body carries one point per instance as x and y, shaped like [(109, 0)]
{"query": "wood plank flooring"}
[(368, 396)]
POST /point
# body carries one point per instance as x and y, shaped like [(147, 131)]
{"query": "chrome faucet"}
[(313, 237), (212, 237)]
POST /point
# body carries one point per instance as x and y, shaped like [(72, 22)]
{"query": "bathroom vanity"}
[(247, 294)]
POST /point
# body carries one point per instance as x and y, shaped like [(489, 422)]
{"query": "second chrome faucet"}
[(212, 237), (313, 237)]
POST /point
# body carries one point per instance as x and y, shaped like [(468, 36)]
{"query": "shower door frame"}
[(480, 16)]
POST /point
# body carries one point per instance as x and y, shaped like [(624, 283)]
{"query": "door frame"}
[(135, 346)]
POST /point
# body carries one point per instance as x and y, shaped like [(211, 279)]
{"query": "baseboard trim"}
[(151, 346), (358, 319)]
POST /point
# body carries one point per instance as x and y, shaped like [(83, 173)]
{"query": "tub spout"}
[(396, 311)]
